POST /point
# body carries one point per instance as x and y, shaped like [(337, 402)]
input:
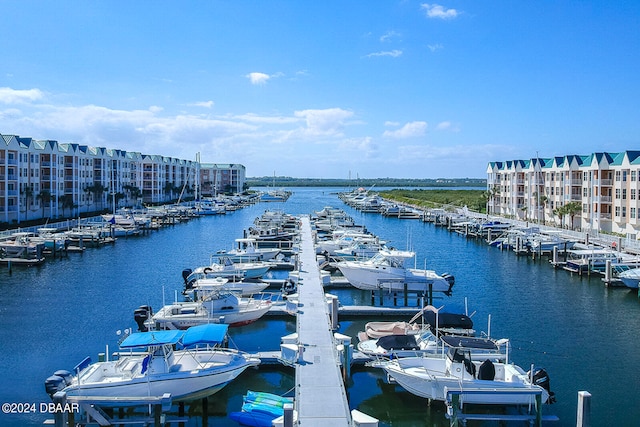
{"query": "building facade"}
[(48, 179), (217, 178), (598, 191)]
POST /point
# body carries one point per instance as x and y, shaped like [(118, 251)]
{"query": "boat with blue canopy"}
[(187, 364)]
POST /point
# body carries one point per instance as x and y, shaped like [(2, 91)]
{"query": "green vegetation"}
[(474, 199), (283, 181)]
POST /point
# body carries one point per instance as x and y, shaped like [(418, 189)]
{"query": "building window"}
[(624, 194), (617, 210), (624, 176), (617, 193), (632, 213), (633, 194), (633, 175)]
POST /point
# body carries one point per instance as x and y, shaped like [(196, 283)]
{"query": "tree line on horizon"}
[(283, 181)]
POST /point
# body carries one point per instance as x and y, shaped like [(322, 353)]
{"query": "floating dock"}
[(320, 397)]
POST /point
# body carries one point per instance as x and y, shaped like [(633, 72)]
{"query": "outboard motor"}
[(450, 279), (54, 384), (185, 273), (65, 375), (541, 378), (141, 315)]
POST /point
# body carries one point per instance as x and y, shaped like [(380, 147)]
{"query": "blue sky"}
[(326, 89)]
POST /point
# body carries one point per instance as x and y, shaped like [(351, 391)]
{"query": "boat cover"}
[(469, 342), (145, 339), (448, 320), (398, 342), (211, 333)]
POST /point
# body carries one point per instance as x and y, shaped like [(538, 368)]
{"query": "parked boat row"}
[(180, 347), (440, 356), (31, 247), (564, 250)]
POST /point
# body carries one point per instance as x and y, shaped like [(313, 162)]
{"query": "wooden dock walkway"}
[(321, 399)]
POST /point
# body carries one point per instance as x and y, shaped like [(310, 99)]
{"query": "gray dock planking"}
[(321, 398)]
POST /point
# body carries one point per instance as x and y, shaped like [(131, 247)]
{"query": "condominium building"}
[(48, 179), (598, 191), (216, 178)]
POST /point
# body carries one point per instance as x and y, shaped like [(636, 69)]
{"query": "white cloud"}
[(390, 123), (360, 147), (258, 78), (204, 104), (434, 47), (448, 126), (393, 53), (327, 122), (388, 36), (16, 96), (255, 118), (439, 12), (409, 130)]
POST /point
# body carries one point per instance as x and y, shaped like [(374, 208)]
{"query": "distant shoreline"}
[(366, 183)]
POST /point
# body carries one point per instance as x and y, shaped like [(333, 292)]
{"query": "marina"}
[(497, 284)]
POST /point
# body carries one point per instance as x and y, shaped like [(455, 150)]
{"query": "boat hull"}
[(181, 385), (431, 378), (392, 279)]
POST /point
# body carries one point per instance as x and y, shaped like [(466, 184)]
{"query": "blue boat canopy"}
[(211, 333), (145, 339)]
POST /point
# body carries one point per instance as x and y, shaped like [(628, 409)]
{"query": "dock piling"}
[(584, 409)]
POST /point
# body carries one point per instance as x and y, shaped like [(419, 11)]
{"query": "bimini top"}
[(146, 339), (211, 333)]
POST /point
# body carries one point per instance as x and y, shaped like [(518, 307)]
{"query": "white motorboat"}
[(344, 239), (22, 248), (428, 343), (201, 288), (630, 278), (543, 243), (487, 382), (387, 270), (216, 307), (430, 317), (436, 333), (223, 266), (187, 364), (246, 251), (360, 250), (585, 260)]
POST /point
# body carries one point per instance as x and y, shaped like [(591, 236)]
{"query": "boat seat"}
[(175, 368)]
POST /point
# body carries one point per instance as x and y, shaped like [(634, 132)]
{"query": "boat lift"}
[(81, 410), (455, 402)]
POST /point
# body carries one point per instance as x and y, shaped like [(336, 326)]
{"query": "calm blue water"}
[(584, 334)]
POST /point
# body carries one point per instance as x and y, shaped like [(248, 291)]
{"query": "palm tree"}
[(490, 195), (129, 189), (45, 197), (572, 209), (560, 213), (27, 192), (66, 201)]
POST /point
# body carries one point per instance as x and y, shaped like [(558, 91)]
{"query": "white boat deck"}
[(321, 399)]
